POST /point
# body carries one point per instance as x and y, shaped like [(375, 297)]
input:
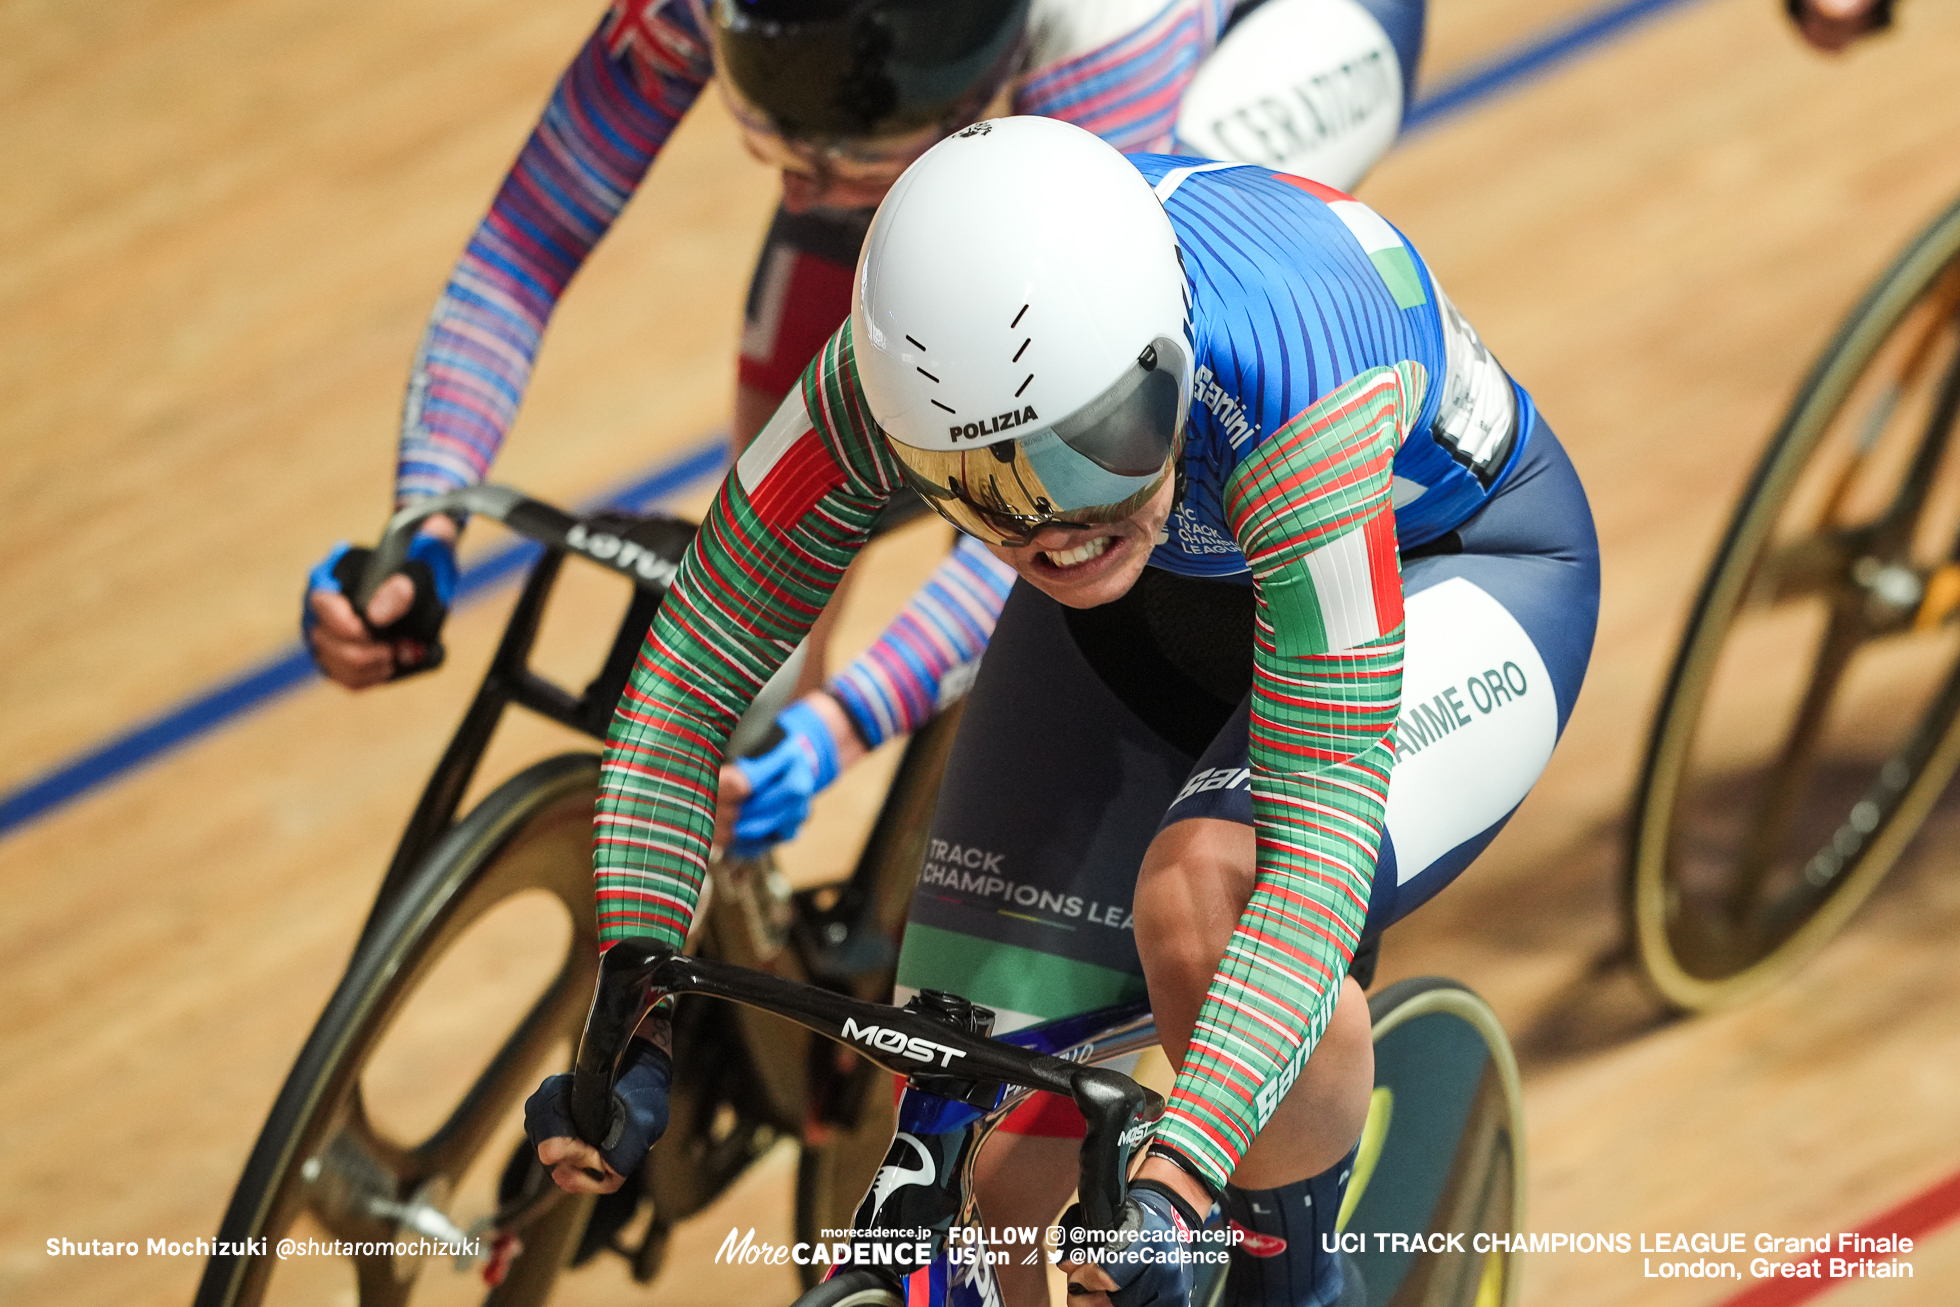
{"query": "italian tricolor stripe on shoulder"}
[(786, 470), (1384, 247), (1314, 509)]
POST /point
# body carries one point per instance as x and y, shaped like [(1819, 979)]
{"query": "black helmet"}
[(840, 70)]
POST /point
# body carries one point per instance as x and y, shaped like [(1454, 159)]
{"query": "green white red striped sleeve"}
[(789, 518), (1312, 511)]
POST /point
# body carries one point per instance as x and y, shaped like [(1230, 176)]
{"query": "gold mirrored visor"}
[(1101, 464)]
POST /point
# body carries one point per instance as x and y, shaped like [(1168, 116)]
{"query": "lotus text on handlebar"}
[(609, 548)]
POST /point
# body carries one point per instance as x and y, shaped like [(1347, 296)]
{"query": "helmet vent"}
[(1019, 352), (1024, 385), (936, 404), (928, 376), (916, 341), (1017, 318)]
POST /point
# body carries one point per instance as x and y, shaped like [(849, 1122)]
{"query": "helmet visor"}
[(1099, 465), (864, 70)]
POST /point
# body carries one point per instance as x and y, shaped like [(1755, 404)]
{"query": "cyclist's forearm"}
[(1313, 512), (1319, 830), (925, 659), (604, 123), (786, 524), (709, 651), (1276, 987)]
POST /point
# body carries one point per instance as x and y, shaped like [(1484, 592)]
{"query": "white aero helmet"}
[(1021, 328)]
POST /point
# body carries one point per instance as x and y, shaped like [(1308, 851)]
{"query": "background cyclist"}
[(1835, 24), (1199, 408), (840, 104)]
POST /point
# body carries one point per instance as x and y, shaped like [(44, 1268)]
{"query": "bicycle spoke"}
[(1896, 523), (450, 1150), (1942, 303), (354, 1171), (1843, 510), (364, 1189), (1874, 808), (1819, 560), (1790, 774), (1897, 590), (1800, 568)]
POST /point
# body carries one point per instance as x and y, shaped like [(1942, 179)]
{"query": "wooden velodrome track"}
[(223, 226)]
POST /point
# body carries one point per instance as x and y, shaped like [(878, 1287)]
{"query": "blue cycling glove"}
[(783, 778), (1149, 1253), (639, 1108), (430, 568)]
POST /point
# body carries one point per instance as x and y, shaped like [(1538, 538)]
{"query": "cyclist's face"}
[(831, 181), (849, 175), (803, 192), (1087, 566)]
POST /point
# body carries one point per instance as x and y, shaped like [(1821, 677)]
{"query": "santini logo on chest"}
[(999, 422)]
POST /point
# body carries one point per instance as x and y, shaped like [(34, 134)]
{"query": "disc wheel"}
[(1442, 1152), (1810, 719), (354, 1151)]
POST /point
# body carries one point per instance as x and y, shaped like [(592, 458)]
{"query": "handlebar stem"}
[(635, 974)]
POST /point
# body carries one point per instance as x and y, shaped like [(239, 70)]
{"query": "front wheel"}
[(852, 1288), (1442, 1152), (397, 1118)]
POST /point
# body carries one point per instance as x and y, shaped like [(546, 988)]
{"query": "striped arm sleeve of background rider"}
[(927, 656), (608, 116), (788, 520), (1312, 511)]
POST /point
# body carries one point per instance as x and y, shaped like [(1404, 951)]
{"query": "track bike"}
[(1441, 1155), (1812, 717), (351, 1146), (1445, 1136)]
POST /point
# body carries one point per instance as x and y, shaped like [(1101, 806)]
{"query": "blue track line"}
[(294, 667), (1535, 58)]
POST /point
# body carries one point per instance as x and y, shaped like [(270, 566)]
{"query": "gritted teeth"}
[(1080, 554)]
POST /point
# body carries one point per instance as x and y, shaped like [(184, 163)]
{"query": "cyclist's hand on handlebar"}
[(639, 1117), (343, 647), (574, 1164), (1130, 1268), (402, 633), (765, 797)]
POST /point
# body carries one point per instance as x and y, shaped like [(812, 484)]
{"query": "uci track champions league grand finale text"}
[(1662, 1255)]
